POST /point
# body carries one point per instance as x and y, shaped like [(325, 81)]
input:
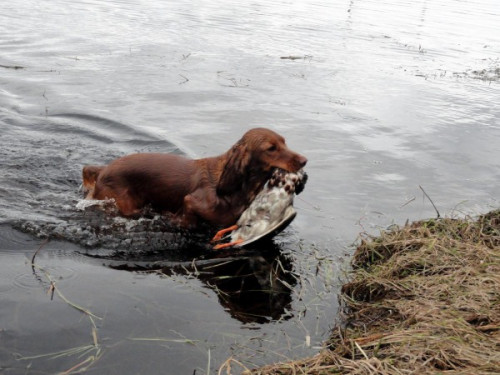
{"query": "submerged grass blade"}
[(163, 339), (89, 361), (63, 353), (81, 351)]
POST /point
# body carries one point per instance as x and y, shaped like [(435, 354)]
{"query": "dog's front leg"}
[(208, 207)]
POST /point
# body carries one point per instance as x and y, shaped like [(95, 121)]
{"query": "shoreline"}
[(420, 299)]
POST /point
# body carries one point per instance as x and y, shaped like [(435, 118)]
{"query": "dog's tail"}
[(90, 173)]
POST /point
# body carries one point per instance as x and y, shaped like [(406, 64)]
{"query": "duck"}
[(268, 214)]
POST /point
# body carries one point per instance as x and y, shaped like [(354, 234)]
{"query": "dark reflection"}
[(254, 286)]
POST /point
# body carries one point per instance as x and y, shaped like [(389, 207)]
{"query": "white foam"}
[(83, 204)]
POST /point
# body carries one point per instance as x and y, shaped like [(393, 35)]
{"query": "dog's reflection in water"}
[(252, 287)]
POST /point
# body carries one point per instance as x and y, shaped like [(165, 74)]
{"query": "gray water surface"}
[(381, 96)]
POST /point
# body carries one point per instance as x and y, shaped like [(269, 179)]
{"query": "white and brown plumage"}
[(270, 212)]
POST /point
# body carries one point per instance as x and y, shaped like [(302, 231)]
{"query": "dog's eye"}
[(272, 148)]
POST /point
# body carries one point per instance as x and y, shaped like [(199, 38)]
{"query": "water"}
[(382, 97)]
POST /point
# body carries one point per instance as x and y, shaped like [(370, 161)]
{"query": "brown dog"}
[(215, 189)]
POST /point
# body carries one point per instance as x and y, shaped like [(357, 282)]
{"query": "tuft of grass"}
[(421, 299)]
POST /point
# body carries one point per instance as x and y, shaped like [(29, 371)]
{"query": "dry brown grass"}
[(422, 299)]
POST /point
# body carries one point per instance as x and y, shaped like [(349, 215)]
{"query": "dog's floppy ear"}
[(236, 169)]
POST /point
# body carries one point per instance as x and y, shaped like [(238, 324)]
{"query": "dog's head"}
[(254, 157), (269, 150)]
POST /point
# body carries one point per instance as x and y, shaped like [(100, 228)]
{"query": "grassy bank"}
[(421, 299)]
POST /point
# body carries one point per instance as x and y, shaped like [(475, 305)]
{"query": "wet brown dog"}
[(215, 189)]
